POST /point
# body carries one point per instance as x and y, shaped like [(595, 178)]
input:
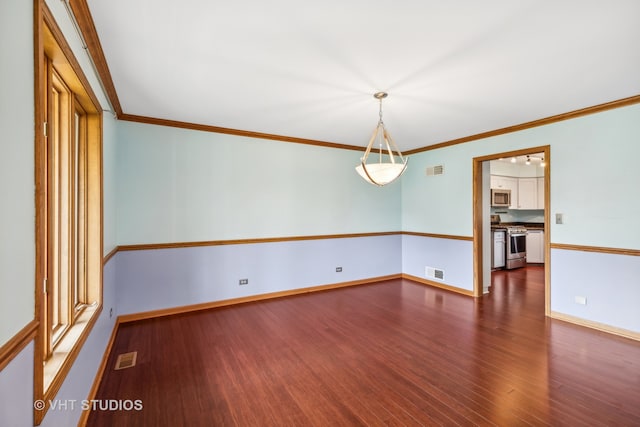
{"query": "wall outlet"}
[(244, 281), (338, 269), (581, 300), (110, 312)]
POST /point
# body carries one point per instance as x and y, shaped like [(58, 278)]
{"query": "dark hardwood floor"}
[(392, 353)]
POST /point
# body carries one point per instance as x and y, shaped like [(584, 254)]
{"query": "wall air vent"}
[(435, 170), (434, 273)]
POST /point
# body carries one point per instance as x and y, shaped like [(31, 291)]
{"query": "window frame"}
[(66, 290), (69, 220)]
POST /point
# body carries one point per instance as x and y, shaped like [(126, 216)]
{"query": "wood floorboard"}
[(392, 353)]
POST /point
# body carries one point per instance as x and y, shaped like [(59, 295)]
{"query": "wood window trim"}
[(51, 48)]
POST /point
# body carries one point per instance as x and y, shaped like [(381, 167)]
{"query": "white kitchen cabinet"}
[(507, 183), (540, 192), (498, 255), (535, 246), (527, 193)]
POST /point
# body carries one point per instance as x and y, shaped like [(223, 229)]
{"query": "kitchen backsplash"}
[(519, 215)]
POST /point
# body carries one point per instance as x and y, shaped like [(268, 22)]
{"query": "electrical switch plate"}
[(559, 218), (338, 269)]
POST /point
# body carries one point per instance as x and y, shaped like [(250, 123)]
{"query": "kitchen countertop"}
[(527, 225)]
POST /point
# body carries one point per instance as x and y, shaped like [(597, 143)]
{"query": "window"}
[(65, 291), (68, 210)]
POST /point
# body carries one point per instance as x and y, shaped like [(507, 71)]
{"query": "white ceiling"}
[(309, 69)]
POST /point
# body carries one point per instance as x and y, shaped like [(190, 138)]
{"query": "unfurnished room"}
[(281, 213)]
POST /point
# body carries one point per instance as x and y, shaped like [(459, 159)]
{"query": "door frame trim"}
[(478, 200)]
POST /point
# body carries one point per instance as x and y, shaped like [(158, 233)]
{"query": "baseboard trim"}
[(84, 416), (437, 284), (17, 343), (625, 333), (252, 298)]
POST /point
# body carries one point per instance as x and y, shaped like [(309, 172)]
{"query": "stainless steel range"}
[(516, 247)]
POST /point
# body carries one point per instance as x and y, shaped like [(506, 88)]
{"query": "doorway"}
[(482, 217)]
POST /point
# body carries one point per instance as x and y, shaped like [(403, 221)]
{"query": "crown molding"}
[(535, 123), (92, 43), (236, 132)]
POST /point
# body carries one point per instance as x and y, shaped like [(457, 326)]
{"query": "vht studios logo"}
[(93, 404)]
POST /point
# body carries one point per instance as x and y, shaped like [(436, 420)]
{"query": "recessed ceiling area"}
[(309, 70)]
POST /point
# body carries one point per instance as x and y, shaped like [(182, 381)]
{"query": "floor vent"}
[(435, 170), (434, 273), (126, 360)]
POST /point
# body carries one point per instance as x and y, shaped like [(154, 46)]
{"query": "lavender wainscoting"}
[(157, 279)]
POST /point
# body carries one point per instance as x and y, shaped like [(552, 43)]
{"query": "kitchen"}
[(517, 211)]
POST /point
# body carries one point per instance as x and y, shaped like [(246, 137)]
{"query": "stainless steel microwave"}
[(500, 197)]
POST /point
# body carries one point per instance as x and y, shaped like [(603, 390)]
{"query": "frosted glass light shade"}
[(381, 173)]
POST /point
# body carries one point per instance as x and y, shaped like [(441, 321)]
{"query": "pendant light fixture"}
[(390, 164)]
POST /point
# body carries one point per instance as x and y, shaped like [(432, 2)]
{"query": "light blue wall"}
[(178, 185), (439, 204), (170, 192), (594, 180), (171, 185), (17, 235), (17, 252), (109, 182), (17, 227), (594, 183)]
